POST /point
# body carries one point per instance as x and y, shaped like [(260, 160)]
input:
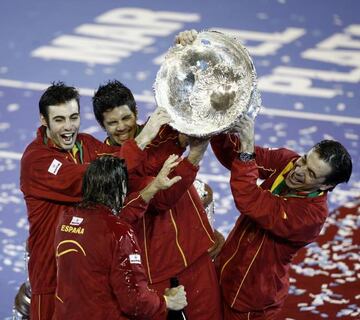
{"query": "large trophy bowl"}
[(208, 85)]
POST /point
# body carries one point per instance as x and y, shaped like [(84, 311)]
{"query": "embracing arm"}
[(184, 171), (294, 219)]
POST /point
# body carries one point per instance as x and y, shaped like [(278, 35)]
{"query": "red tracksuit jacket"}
[(254, 262), (175, 230), (100, 275), (51, 181)]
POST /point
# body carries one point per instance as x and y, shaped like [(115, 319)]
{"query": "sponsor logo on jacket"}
[(76, 221), (134, 258), (54, 167), (71, 229)]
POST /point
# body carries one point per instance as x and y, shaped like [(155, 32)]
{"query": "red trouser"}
[(202, 290), (232, 314), (42, 306)]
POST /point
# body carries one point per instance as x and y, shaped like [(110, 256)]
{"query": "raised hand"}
[(161, 181), (186, 37), (157, 119), (152, 127), (245, 129)]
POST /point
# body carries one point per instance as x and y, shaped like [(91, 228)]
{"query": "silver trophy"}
[(208, 85)]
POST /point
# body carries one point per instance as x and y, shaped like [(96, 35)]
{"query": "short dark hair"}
[(109, 96), (339, 159), (105, 182), (56, 94)]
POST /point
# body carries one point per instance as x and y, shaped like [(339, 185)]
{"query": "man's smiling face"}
[(63, 124), (309, 173), (120, 124)]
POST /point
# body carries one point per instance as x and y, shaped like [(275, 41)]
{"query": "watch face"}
[(245, 156)]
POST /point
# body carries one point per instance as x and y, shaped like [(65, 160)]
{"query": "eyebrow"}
[(116, 119), (63, 117)]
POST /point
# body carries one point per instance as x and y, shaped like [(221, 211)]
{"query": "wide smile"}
[(292, 178), (123, 135), (67, 138)]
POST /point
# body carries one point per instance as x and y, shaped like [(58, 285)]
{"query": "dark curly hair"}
[(57, 93), (105, 182), (109, 96), (339, 159)]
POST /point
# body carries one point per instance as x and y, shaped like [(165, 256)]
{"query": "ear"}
[(43, 120)]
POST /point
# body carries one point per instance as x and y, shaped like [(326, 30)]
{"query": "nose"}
[(120, 126), (68, 124), (299, 170)]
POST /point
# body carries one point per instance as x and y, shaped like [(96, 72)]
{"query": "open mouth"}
[(293, 179), (67, 137)]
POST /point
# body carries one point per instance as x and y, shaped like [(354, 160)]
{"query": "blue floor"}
[(307, 56)]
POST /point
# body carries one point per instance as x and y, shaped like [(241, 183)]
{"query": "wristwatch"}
[(246, 156)]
